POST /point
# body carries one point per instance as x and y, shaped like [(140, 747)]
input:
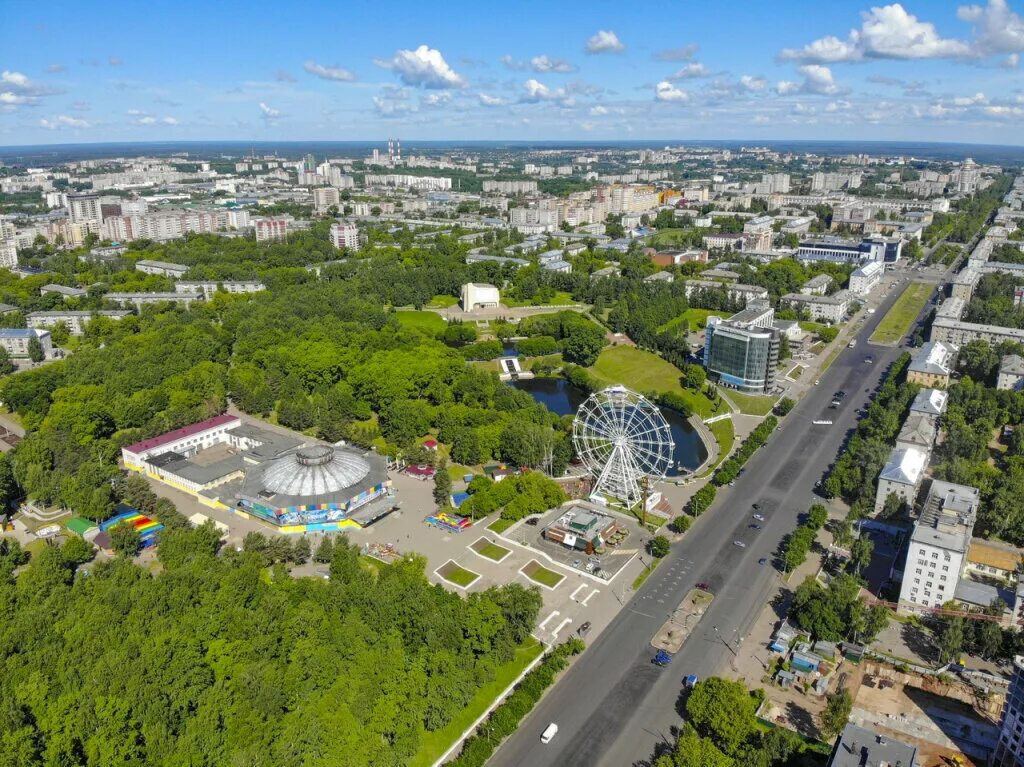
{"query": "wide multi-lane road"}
[(614, 706)]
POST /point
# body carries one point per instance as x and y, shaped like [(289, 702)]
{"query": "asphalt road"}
[(614, 706)]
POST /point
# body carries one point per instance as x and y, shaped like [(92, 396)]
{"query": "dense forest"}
[(213, 663)]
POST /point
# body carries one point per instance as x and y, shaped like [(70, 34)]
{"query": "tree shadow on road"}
[(918, 642), (802, 720)]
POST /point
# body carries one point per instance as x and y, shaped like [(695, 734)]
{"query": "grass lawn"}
[(639, 581), (429, 322), (897, 321), (643, 372), (812, 327), (434, 744), (493, 551), (696, 317), (724, 435), (561, 299), (500, 525), (460, 576), (750, 404), (443, 301), (537, 573), (666, 237)]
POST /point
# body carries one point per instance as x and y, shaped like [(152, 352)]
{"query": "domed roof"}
[(316, 470)]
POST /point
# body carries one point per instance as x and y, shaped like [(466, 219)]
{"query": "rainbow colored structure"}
[(126, 515), (450, 522)]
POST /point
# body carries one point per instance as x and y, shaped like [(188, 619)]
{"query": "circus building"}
[(275, 476)]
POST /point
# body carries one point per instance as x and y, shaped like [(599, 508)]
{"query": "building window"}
[(945, 568), (918, 571), (935, 555), (917, 580)]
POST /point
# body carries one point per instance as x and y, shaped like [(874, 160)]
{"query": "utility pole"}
[(645, 487)]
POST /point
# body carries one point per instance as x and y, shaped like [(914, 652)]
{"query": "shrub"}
[(681, 523)]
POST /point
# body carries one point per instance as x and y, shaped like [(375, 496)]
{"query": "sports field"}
[(897, 321)]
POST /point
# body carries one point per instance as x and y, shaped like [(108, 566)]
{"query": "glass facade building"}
[(741, 357), (1010, 748)]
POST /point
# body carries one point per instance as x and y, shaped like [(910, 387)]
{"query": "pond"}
[(561, 397)]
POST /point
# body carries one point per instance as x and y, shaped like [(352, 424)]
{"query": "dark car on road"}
[(662, 658), (703, 586)]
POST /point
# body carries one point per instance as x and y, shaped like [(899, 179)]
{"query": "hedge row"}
[(799, 542), (506, 718), (701, 500), (730, 469)]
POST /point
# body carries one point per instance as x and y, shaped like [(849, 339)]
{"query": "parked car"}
[(576, 563), (763, 561), (549, 732), (691, 681), (759, 517), (754, 526), (533, 521), (584, 628), (741, 544), (662, 658), (704, 586)]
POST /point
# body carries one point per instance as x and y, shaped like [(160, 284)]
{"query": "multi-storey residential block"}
[(345, 236)]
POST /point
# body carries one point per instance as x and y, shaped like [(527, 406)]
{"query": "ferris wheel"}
[(622, 438)]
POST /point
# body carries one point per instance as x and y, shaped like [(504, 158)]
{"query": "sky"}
[(87, 71)]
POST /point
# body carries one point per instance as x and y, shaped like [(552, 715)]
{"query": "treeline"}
[(722, 730), (973, 414), (730, 468), (504, 720), (992, 302), (212, 663), (836, 612), (798, 543), (855, 471), (518, 496)]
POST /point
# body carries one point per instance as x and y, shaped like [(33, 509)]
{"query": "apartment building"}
[(1011, 373), (209, 287), (162, 268), (932, 365), (271, 229), (1009, 751), (831, 309), (737, 290), (866, 277), (345, 236), (325, 197), (15, 341), (74, 320)]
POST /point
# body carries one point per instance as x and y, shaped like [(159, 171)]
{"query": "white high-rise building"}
[(1010, 748), (938, 545), (324, 197), (271, 229), (85, 208), (345, 236), (8, 246)]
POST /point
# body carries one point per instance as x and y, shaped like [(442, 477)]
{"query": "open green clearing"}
[(725, 435), (443, 301), (429, 322), (493, 551), (644, 372), (536, 572), (750, 404), (897, 321), (460, 576), (696, 317), (434, 744), (561, 299)]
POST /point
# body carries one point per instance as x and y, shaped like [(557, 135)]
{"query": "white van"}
[(549, 733)]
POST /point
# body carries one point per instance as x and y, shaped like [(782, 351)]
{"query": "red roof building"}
[(187, 440)]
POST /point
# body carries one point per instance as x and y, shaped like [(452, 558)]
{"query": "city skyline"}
[(846, 70)]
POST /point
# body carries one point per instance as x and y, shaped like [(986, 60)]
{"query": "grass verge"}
[(492, 551), (897, 321), (639, 580), (453, 573), (500, 525), (537, 573), (697, 319), (434, 744)]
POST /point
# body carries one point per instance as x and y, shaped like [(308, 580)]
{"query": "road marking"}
[(591, 594), (577, 591), (545, 621), (561, 626)]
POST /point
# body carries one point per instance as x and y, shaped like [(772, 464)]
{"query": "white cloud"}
[(761, 120), (17, 89), (115, 61), (691, 70), (969, 101), (753, 84), (514, 64), (598, 110), (438, 99), (666, 91), (283, 76), (337, 74), (817, 81), (63, 121), (537, 91), (886, 32), (268, 113), (604, 41), (55, 68), (1003, 111), (545, 63), (424, 67), (17, 79), (838, 106), (491, 101), (683, 53), (1011, 61), (997, 29)]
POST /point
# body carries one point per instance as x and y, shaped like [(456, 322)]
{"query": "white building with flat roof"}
[(902, 475), (345, 236), (938, 545), (15, 341), (866, 277), (479, 295)]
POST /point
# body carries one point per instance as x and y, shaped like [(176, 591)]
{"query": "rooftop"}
[(860, 747), (178, 434), (997, 554)]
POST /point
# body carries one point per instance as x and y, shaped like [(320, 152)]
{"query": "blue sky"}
[(828, 69)]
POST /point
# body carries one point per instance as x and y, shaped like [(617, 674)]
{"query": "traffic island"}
[(674, 632)]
